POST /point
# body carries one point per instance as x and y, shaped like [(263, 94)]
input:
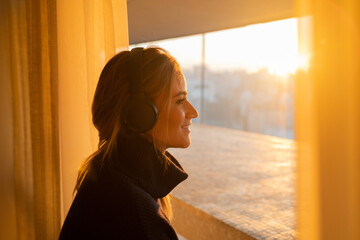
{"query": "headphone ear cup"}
[(140, 115)]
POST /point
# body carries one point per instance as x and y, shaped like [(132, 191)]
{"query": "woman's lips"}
[(186, 128)]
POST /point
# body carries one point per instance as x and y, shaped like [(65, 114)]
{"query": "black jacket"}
[(120, 200)]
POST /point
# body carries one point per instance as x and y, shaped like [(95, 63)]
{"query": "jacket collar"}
[(155, 172)]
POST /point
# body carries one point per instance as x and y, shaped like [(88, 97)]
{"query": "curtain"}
[(90, 32), (52, 54), (7, 189), (328, 120), (32, 58)]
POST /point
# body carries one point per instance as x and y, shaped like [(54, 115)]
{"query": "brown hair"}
[(159, 69)]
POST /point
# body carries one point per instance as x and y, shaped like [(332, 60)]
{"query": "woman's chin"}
[(186, 143)]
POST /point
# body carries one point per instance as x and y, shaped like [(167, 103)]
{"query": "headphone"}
[(140, 113)]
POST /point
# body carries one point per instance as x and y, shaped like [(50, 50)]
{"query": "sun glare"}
[(272, 45)]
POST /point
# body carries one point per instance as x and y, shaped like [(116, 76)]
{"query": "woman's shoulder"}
[(104, 209), (110, 204), (114, 189)]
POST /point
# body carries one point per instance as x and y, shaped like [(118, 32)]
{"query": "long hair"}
[(159, 69)]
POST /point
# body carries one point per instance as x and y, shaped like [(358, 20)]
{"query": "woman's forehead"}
[(179, 83)]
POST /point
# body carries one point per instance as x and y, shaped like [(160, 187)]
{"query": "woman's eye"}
[(180, 101)]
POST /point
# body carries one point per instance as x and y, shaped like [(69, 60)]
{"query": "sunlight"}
[(272, 45)]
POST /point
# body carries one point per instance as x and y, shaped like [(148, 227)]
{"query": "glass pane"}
[(248, 76)]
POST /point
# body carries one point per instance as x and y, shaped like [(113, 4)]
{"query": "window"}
[(242, 78)]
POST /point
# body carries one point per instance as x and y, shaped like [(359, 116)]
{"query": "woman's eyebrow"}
[(181, 93)]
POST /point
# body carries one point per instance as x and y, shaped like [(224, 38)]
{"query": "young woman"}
[(140, 109)]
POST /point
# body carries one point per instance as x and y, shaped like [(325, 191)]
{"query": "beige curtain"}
[(7, 185), (51, 53), (328, 121), (89, 33), (32, 57)]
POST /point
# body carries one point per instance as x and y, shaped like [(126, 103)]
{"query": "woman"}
[(140, 109)]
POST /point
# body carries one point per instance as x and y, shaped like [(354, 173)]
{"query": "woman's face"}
[(173, 129)]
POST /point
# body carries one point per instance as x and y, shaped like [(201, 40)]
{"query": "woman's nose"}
[(192, 113)]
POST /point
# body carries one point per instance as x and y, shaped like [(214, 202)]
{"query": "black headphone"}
[(140, 113)]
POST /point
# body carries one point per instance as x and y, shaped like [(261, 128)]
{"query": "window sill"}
[(240, 186)]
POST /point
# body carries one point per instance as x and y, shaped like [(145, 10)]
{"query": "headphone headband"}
[(136, 56)]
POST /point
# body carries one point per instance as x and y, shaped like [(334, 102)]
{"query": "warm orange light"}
[(271, 45)]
